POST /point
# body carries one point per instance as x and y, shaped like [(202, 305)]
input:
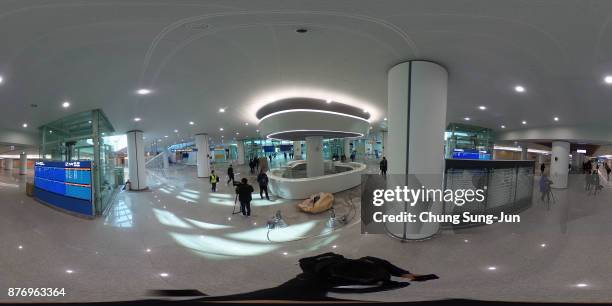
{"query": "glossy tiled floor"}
[(178, 235)]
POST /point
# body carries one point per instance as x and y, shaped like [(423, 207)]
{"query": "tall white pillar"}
[(136, 160), (297, 150), (559, 162), (240, 157), (347, 148), (385, 137), (23, 164), (165, 161), (203, 163), (8, 164), (524, 152), (314, 156), (417, 97)]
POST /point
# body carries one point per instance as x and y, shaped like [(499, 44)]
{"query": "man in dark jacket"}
[(244, 191), (331, 272), (383, 166), (262, 179), (230, 174)]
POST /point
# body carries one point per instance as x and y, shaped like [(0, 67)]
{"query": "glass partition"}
[(86, 136)]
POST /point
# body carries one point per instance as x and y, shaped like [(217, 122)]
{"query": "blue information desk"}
[(65, 185)]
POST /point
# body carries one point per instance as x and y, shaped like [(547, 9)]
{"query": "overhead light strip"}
[(270, 136), (311, 111)]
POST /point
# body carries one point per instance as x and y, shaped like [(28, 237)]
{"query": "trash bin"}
[(30, 189)]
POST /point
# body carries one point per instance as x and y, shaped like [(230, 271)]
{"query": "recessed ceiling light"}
[(220, 129), (556, 118), (246, 123), (137, 119), (176, 131), (519, 88), (1, 79), (191, 123), (492, 268), (166, 136), (163, 274), (385, 119), (143, 91), (581, 285), (237, 133), (503, 126), (69, 271), (222, 110), (608, 79), (65, 104), (25, 125), (20, 247), (524, 122), (482, 107), (328, 101), (467, 119), (365, 111), (257, 131), (89, 121), (222, 136)]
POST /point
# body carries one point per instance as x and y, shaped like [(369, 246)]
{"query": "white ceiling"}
[(200, 55)]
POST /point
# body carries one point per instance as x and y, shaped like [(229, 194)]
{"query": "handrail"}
[(159, 161)]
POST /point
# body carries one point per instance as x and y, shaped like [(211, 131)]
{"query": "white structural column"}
[(240, 157), (314, 156), (8, 164), (385, 136), (347, 148), (559, 164), (203, 163), (136, 160), (297, 150), (524, 152), (417, 98), (23, 163)]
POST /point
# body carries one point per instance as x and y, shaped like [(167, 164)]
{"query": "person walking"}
[(542, 167), (353, 156), (383, 166), (252, 165), (213, 180), (545, 187), (270, 157), (608, 170), (285, 155), (262, 179), (244, 191), (230, 174)]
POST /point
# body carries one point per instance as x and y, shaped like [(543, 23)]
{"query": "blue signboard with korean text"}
[(65, 185)]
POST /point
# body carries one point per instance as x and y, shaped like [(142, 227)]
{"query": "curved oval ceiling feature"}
[(311, 104)]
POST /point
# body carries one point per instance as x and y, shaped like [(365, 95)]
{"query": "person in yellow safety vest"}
[(213, 180)]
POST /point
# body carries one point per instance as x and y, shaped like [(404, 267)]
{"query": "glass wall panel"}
[(83, 136)]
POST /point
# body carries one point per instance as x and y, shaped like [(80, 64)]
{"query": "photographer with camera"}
[(545, 187), (244, 191)]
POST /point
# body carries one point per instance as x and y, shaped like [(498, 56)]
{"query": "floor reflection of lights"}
[(120, 215)]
